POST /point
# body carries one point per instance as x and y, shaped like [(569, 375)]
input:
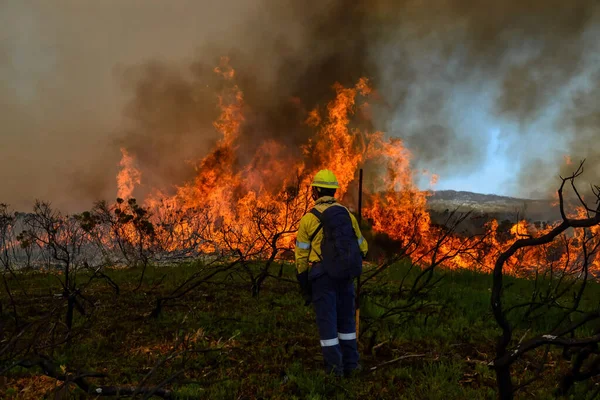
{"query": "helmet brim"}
[(325, 185)]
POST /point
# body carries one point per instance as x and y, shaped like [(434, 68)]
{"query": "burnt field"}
[(126, 300), (219, 342)]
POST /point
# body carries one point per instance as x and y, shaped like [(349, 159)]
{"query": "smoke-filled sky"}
[(491, 96)]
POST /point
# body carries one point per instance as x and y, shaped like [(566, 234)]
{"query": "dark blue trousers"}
[(333, 301)]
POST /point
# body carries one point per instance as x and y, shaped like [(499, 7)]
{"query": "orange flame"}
[(128, 177), (254, 207)]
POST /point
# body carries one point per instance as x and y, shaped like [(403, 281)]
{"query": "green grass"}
[(268, 347)]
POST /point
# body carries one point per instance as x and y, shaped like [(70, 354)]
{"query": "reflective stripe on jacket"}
[(307, 252)]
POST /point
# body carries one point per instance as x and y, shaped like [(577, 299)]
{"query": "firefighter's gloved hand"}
[(305, 287)]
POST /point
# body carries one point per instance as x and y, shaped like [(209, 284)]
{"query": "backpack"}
[(340, 253)]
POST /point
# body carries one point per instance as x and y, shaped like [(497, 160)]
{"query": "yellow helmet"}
[(325, 179)]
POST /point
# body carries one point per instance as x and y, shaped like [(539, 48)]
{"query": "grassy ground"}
[(267, 347)]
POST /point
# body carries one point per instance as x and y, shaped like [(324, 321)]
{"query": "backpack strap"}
[(317, 214)]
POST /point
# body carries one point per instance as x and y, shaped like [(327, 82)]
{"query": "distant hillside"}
[(499, 207)]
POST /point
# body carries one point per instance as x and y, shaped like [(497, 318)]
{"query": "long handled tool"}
[(357, 301)]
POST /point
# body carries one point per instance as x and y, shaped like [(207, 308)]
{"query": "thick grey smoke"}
[(455, 72), (581, 122), (79, 80), (62, 102)]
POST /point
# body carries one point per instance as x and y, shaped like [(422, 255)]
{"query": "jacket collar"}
[(325, 199)]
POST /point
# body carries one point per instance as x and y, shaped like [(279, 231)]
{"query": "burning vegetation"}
[(239, 214), (232, 188)]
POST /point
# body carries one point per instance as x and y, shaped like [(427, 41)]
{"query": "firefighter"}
[(322, 282)]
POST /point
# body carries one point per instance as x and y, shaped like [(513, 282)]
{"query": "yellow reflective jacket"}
[(307, 252)]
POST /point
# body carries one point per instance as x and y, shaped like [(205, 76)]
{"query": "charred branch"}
[(191, 283), (414, 295), (51, 369), (505, 355)]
